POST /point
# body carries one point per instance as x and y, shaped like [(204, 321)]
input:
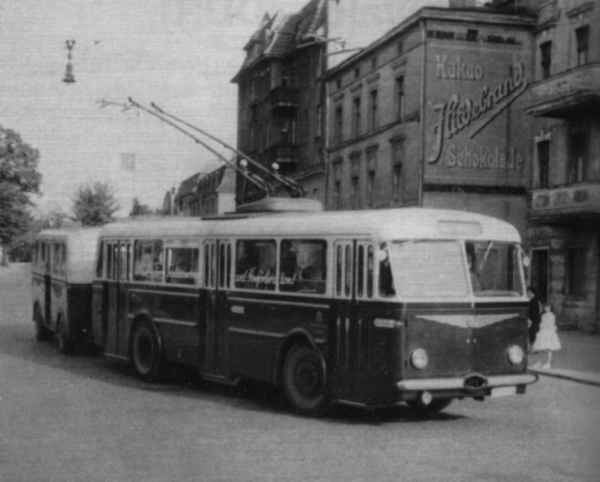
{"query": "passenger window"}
[(124, 260), (148, 261), (114, 271), (224, 264), (343, 269), (255, 264), (58, 259), (386, 280), (99, 261), (182, 265), (364, 271), (303, 265)]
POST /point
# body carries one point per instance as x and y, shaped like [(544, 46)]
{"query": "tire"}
[(146, 352), (436, 406), (64, 341), (304, 380), (41, 332)]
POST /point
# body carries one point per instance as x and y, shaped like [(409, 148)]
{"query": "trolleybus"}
[(370, 308), (62, 272)]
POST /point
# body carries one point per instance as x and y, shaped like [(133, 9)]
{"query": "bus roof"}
[(400, 223)]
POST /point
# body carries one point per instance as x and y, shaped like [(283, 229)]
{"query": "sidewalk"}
[(578, 361)]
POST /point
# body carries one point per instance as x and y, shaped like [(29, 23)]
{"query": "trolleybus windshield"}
[(436, 269)]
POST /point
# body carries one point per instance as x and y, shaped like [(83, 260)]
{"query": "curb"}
[(572, 375)]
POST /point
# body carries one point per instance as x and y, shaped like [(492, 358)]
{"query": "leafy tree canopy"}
[(94, 204), (139, 209), (18, 177)]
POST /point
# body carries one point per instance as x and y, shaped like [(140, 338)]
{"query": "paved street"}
[(84, 418)]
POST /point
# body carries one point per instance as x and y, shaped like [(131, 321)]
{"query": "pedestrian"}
[(534, 314), (547, 338)]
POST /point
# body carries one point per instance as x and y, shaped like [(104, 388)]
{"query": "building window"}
[(338, 83), (578, 153), (374, 63), (472, 35), (356, 120), (339, 123), (355, 185), (373, 120), (400, 47), (397, 173), (337, 192), (576, 266), (546, 58), (319, 121), (582, 35), (399, 98), (397, 182), (357, 72), (543, 155), (370, 187)]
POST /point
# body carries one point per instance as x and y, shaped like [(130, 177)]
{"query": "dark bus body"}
[(371, 308)]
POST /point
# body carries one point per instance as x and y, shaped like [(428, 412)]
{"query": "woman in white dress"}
[(547, 338)]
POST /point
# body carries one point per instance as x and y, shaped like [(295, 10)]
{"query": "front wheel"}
[(304, 380), (146, 352), (436, 406)]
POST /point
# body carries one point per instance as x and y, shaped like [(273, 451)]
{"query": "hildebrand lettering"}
[(458, 113)]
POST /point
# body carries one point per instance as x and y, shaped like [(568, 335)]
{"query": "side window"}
[(100, 260), (343, 269), (364, 270), (109, 261), (46, 256), (255, 264), (114, 270), (148, 260), (183, 265), (303, 265), (209, 263), (386, 280), (224, 264), (57, 258), (124, 260)]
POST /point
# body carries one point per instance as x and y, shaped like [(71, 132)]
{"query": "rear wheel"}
[(304, 380), (146, 352), (64, 342), (436, 406), (41, 332)]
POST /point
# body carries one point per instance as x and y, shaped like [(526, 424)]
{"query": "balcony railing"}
[(567, 93), (561, 202), (284, 97)]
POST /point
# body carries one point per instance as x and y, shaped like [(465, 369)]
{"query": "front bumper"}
[(493, 381)]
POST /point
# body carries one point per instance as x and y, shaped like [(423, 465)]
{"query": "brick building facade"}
[(281, 98), (432, 114), (564, 232)]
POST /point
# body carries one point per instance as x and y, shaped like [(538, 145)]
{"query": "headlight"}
[(419, 359), (515, 354)]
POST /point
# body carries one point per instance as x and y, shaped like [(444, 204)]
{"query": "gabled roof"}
[(282, 34)]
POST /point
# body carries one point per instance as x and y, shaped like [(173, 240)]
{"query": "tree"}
[(18, 178), (139, 209), (94, 204)]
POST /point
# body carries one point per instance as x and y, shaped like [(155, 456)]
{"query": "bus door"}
[(125, 257), (112, 298), (211, 363), (342, 363), (222, 309)]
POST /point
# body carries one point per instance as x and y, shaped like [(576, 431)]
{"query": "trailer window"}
[(182, 265), (303, 265), (148, 260), (255, 264), (58, 259)]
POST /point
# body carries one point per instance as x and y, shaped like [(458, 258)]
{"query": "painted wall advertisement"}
[(476, 129)]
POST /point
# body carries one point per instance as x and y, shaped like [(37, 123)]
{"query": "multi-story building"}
[(206, 194), (432, 114), (564, 231), (281, 98)]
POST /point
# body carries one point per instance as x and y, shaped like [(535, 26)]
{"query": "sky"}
[(180, 54)]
